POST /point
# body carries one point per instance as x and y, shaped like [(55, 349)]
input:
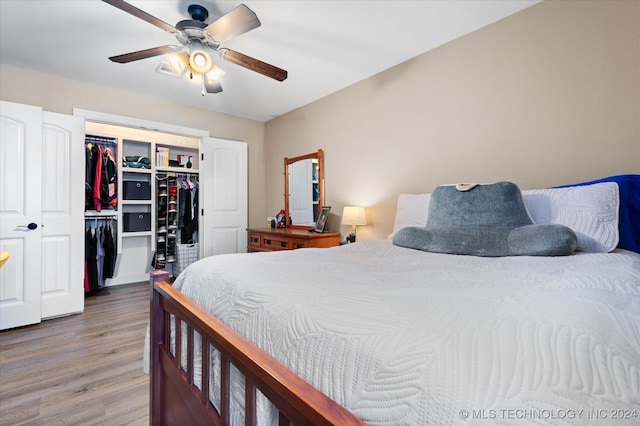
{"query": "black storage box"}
[(136, 190), (136, 222)]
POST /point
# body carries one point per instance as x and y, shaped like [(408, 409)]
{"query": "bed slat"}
[(204, 382), (190, 355), (249, 402), (225, 389), (177, 347)]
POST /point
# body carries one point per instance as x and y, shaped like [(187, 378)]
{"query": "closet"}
[(162, 212), (45, 218)]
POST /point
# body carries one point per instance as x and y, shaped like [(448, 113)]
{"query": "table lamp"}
[(353, 215)]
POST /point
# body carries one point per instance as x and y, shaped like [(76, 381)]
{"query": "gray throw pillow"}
[(487, 220)]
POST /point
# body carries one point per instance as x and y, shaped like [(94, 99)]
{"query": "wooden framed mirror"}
[(303, 189)]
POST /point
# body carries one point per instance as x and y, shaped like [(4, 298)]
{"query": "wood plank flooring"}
[(83, 369)]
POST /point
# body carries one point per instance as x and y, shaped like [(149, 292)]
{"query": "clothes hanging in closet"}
[(185, 195), (188, 217), (97, 176), (108, 193), (89, 177), (99, 236), (194, 222), (100, 257), (100, 178), (109, 247), (90, 260)]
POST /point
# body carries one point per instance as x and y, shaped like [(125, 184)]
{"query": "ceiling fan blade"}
[(238, 21), (254, 64), (211, 86), (143, 54), (132, 10)]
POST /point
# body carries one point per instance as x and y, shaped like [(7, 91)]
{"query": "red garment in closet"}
[(97, 203)]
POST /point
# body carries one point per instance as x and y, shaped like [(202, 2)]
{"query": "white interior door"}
[(20, 213), (223, 197), (62, 215)]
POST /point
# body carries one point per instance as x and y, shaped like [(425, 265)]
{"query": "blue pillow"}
[(629, 213)]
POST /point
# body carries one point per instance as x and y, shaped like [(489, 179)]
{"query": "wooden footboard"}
[(176, 398)]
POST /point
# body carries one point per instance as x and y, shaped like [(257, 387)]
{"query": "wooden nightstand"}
[(289, 239)]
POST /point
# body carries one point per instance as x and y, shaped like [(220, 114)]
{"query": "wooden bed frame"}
[(175, 399)]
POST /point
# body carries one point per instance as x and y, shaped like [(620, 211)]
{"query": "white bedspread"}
[(400, 336)]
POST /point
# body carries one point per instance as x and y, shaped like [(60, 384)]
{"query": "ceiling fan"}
[(197, 39)]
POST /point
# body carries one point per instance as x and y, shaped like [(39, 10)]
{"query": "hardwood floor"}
[(83, 369)]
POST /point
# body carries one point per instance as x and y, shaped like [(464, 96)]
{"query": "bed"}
[(376, 333)]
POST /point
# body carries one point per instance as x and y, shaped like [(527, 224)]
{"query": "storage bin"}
[(186, 254), (136, 190), (136, 222)]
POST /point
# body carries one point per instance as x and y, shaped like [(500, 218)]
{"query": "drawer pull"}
[(255, 240), (299, 245), (268, 241), (283, 244)]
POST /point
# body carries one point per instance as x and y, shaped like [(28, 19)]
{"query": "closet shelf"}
[(105, 213), (177, 170), (137, 234), (135, 202), (135, 170)]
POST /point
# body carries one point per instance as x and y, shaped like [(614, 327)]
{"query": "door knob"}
[(31, 226)]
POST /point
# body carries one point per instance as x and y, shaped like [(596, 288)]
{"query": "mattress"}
[(401, 336)]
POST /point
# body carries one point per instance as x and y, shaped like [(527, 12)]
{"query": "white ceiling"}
[(324, 45)]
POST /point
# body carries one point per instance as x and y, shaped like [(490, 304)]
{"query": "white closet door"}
[(223, 197), (62, 214), (20, 213)]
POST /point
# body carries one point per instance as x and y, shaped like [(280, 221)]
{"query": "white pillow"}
[(591, 211), (412, 210)]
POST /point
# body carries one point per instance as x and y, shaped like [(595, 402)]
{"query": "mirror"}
[(303, 189)]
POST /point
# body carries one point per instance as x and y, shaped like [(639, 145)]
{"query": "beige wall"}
[(548, 96), (61, 95)]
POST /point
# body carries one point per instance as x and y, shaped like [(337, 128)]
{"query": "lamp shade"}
[(353, 215), (178, 62), (200, 61)]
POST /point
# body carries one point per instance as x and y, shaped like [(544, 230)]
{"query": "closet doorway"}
[(222, 166)]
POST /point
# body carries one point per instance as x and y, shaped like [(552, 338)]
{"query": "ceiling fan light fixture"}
[(178, 62), (200, 61), (215, 73)]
